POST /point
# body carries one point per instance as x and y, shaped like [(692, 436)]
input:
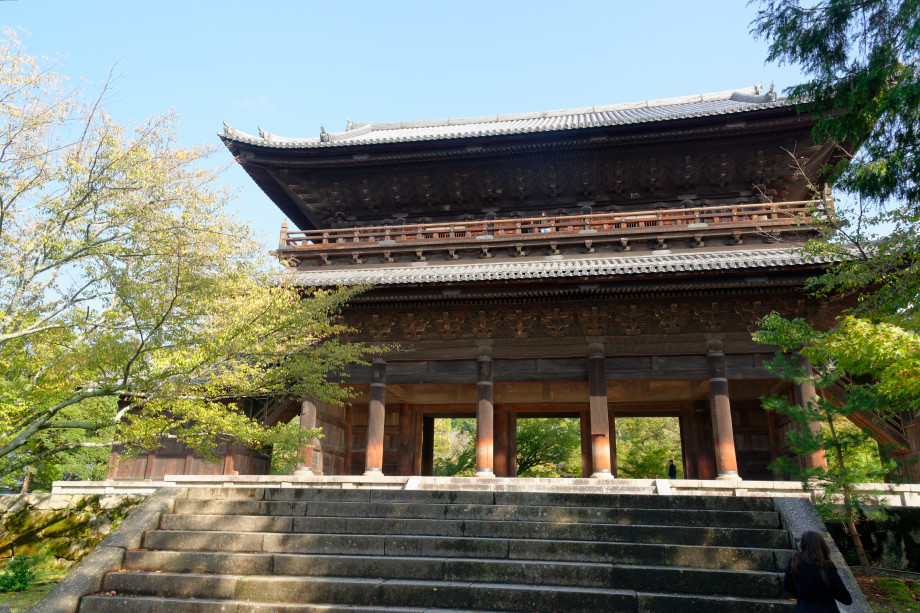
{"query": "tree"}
[(548, 447), (455, 447), (857, 367), (644, 446), (862, 58), (132, 307), (863, 61)]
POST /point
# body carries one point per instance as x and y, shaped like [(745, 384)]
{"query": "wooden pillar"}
[(720, 408), (484, 415), (512, 444), (407, 432), (686, 443), (307, 422), (189, 461), (586, 464), (600, 426), (229, 468), (427, 446), (500, 449), (804, 394), (373, 462), (419, 437), (151, 459), (349, 432)]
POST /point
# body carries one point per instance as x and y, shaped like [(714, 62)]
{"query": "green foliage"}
[(455, 447), (549, 447), (286, 445), (862, 58), (18, 576), (644, 446), (895, 591), (132, 306), (546, 447)]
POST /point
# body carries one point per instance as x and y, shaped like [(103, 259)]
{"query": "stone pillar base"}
[(601, 474), (729, 475), (485, 473), (373, 472), (303, 471)]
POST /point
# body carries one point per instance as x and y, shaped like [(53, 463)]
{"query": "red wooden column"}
[(805, 393), (373, 463), (485, 429), (720, 408), (500, 449), (307, 422), (407, 433), (600, 426)]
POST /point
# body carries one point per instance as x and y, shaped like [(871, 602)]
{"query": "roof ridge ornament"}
[(324, 136), (771, 95)]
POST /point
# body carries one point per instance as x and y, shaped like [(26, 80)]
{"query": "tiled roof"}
[(703, 105), (549, 268)]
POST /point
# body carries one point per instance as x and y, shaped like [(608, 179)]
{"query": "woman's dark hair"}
[(815, 551)]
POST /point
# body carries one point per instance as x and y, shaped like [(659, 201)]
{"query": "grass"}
[(891, 591), (45, 579)]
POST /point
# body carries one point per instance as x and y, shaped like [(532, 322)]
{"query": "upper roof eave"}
[(651, 111)]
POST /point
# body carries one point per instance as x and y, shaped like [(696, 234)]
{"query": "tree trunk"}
[(27, 482), (857, 543)]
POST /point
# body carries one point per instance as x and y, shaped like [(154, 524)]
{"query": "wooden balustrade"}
[(663, 221)]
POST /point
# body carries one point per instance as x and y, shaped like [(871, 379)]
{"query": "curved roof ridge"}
[(745, 94), (663, 109)]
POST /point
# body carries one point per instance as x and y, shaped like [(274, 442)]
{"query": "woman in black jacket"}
[(813, 579)]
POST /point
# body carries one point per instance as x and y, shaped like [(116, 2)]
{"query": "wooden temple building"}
[(592, 263)]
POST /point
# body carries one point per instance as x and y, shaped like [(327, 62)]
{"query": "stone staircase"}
[(260, 550)]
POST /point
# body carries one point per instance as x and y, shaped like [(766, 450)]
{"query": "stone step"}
[(646, 603), (389, 546), (616, 573), (381, 592), (147, 604), (519, 498), (632, 516), (678, 535)]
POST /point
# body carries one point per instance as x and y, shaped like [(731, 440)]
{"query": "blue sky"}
[(290, 66)]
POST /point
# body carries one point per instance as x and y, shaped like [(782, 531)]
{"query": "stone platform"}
[(894, 495)]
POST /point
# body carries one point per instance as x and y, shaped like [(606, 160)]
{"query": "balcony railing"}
[(654, 225)]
